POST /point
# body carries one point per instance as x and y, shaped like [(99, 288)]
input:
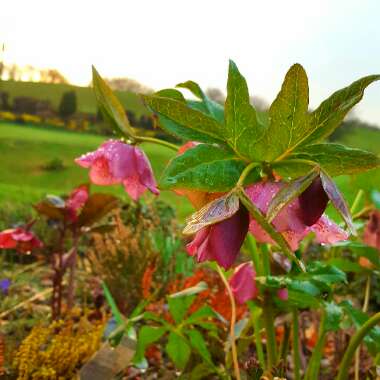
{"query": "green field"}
[(25, 150), (53, 93)]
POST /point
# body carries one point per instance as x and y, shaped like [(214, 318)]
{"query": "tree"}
[(68, 104)]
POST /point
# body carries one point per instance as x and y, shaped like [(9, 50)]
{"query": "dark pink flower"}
[(19, 239), (117, 163), (372, 230), (283, 294), (243, 283), (76, 201), (222, 241), (291, 220)]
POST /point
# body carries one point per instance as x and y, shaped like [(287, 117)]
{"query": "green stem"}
[(245, 173), (296, 347), (153, 140), (255, 312), (232, 323), (277, 237), (355, 341), (255, 255), (268, 317), (364, 309), (313, 367), (357, 200), (266, 259)]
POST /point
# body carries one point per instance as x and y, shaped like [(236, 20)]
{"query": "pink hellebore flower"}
[(115, 162), (302, 216), (76, 200), (283, 294), (19, 239), (222, 241), (243, 284)]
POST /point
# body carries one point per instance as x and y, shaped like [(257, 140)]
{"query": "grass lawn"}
[(25, 150)]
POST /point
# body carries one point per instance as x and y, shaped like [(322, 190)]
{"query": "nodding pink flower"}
[(222, 241), (20, 239), (115, 162), (76, 201), (283, 294), (293, 221), (243, 283)]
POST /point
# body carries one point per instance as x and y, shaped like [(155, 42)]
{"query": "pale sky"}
[(163, 42)]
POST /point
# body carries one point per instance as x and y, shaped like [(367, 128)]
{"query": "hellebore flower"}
[(20, 239), (294, 220), (115, 162), (5, 283), (243, 284), (221, 241), (76, 201), (283, 294), (372, 230)]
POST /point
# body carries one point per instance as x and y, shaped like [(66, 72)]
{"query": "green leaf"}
[(171, 93), (211, 107), (219, 209), (323, 273), (288, 118), (333, 314), (179, 306), (337, 200), (110, 105), (97, 206), (199, 344), (301, 300), (361, 249), (204, 167), (345, 265), (183, 115), (147, 335), (111, 302), (243, 130), (198, 288), (178, 350), (201, 314), (358, 317), (327, 117), (336, 159), (289, 192)]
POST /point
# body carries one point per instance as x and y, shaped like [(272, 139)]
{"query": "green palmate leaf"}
[(147, 336), (200, 315), (178, 350), (211, 107), (214, 212), (199, 344), (333, 316), (327, 117), (110, 105), (171, 93), (289, 193), (204, 167), (288, 118), (243, 131), (178, 306), (336, 159), (181, 114), (97, 206), (337, 200)]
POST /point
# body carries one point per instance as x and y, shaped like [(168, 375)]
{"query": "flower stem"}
[(232, 323), (355, 341), (296, 347), (312, 371), (245, 173), (277, 237), (153, 140), (255, 255), (356, 202), (365, 308), (256, 312), (268, 317)]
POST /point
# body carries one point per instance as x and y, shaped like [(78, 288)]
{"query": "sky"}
[(163, 42)]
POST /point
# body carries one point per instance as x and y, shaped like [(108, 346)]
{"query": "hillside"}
[(53, 93)]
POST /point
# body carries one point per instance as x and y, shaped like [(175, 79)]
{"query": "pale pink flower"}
[(115, 162), (243, 283)]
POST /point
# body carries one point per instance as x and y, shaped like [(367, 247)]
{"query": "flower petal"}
[(328, 232), (243, 284)]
